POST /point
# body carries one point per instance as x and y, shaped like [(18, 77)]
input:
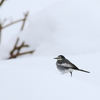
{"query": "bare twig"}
[(0, 30), (14, 56), (1, 23), (24, 20), (18, 48), (2, 1), (12, 23), (2, 27), (11, 53)]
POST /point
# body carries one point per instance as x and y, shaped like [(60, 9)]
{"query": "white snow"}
[(70, 28), (37, 78)]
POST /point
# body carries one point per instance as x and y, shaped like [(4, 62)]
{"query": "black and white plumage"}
[(65, 66)]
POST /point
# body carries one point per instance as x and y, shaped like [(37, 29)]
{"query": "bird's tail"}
[(83, 70)]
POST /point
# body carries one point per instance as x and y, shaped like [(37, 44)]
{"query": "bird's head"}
[(60, 57)]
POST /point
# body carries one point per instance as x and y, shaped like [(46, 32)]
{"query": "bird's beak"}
[(58, 58)]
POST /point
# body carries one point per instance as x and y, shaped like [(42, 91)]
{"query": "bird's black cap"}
[(60, 57)]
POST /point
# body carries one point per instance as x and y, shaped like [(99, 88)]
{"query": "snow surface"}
[(37, 78), (69, 27)]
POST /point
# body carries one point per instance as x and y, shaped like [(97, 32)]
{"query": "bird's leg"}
[(71, 74)]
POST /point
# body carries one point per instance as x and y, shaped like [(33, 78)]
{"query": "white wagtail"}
[(65, 66)]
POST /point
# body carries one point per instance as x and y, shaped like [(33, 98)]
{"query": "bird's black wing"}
[(74, 66), (66, 63)]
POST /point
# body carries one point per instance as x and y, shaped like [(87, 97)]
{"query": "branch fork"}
[(18, 48)]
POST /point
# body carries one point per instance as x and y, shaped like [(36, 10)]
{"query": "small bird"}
[(65, 66)]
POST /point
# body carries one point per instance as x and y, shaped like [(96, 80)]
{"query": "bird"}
[(65, 66)]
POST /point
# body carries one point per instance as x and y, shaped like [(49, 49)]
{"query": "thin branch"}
[(25, 53), (16, 42), (12, 23), (15, 56), (14, 46), (2, 2), (24, 20), (1, 23)]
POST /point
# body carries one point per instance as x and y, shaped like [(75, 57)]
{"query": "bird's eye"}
[(61, 56)]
